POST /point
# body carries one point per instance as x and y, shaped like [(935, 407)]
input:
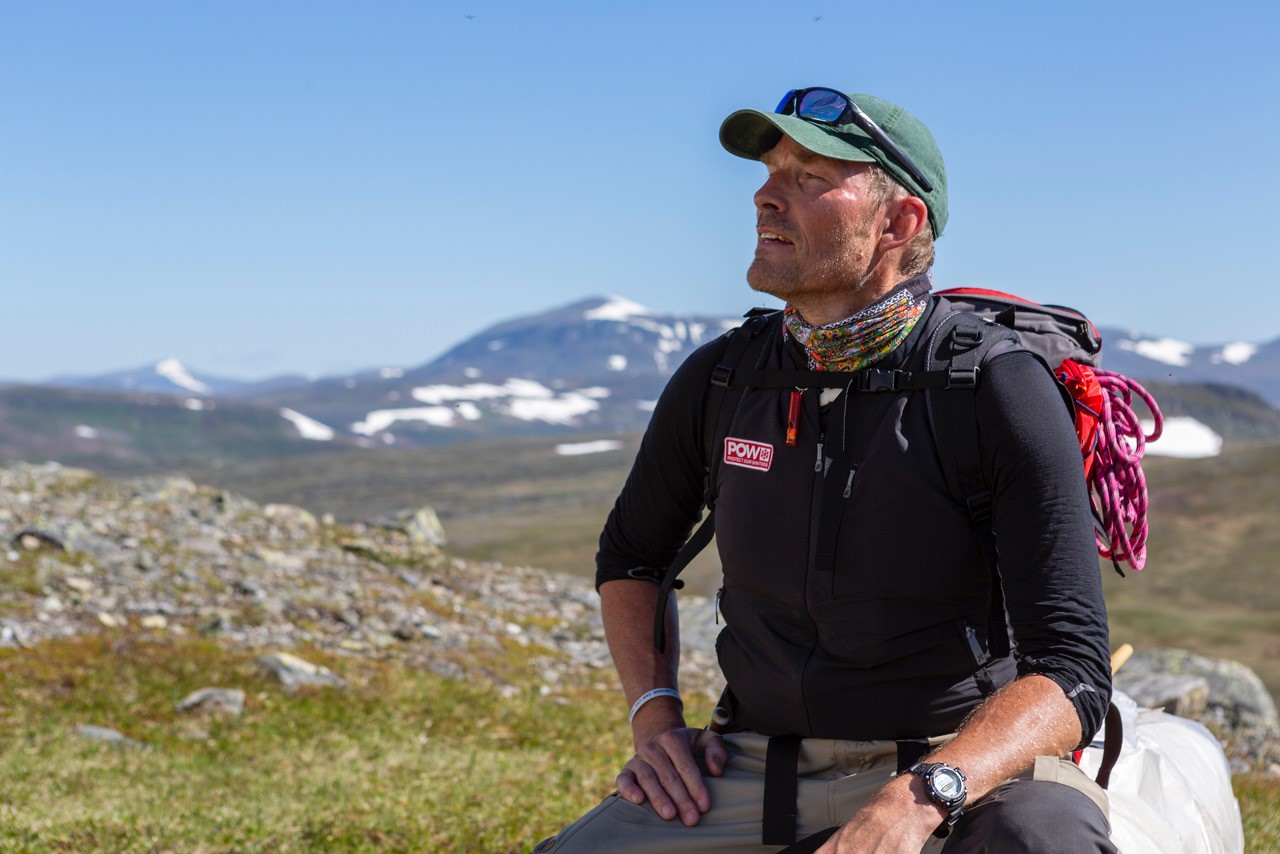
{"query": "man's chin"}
[(768, 281)]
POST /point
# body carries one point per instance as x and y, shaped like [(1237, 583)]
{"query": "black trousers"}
[(1031, 816)]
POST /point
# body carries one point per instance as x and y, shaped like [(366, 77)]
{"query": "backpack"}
[(962, 329)]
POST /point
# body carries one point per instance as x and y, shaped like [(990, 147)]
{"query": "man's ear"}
[(904, 219)]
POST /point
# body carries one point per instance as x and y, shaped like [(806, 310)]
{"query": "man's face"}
[(817, 223)]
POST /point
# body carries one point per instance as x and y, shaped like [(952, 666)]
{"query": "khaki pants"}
[(835, 779)]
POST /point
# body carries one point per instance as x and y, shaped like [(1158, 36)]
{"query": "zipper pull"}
[(975, 648), (793, 416), (719, 593), (848, 486), (817, 465)]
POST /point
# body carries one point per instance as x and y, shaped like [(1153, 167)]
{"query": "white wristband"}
[(649, 695)]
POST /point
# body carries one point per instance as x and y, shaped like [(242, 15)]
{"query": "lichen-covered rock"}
[(226, 701), (293, 671), (1236, 696)]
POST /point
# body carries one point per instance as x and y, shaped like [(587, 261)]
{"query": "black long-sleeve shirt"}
[(1043, 532)]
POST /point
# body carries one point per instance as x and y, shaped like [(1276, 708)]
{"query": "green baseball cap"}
[(750, 133)]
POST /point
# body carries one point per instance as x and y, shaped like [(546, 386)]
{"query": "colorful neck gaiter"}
[(856, 342)]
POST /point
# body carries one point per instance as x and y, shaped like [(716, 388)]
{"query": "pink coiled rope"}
[(1117, 480)]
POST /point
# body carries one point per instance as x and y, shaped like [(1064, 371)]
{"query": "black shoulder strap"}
[(744, 338), (745, 346), (960, 341)]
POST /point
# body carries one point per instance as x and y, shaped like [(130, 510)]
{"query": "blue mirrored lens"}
[(822, 105)]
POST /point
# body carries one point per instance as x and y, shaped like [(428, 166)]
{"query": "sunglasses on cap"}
[(829, 107)]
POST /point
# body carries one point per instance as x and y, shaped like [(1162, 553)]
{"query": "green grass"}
[(397, 760)]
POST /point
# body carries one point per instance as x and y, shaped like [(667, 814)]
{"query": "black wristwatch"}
[(945, 786)]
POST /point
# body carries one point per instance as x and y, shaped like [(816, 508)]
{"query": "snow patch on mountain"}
[(1234, 354), (308, 428), (380, 419), (436, 394), (521, 399), (176, 373), (1183, 437), (1170, 351), (562, 410), (616, 308), (576, 449)]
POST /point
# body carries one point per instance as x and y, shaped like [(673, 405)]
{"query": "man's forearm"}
[(627, 607), (1030, 717)]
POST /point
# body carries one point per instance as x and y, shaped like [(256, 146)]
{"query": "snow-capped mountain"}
[(598, 366), (167, 376), (595, 365), (1147, 357)]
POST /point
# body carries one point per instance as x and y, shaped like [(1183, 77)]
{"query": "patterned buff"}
[(856, 342)]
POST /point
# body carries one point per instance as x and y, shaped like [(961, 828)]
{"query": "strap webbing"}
[(961, 341), (1111, 744), (712, 405), (688, 552), (780, 789), (911, 751), (866, 380)]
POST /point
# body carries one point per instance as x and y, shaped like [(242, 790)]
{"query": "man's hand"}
[(666, 772), (898, 820)]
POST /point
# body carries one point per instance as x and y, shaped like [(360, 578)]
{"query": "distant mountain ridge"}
[(594, 366)]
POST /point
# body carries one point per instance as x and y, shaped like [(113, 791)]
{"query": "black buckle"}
[(874, 379), (649, 573), (966, 337), (979, 506), (962, 378), (722, 375)]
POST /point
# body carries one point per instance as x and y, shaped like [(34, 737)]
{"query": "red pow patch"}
[(748, 454)]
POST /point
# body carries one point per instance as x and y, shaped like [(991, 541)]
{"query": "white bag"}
[(1170, 790)]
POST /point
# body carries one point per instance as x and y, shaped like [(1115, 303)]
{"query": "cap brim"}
[(750, 133)]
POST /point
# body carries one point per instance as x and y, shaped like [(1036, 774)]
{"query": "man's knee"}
[(1032, 815)]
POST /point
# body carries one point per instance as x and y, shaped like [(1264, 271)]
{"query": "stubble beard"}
[(843, 269)]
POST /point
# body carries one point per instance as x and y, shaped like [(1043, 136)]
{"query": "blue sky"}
[(268, 187)]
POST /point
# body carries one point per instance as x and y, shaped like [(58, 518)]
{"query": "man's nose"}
[(768, 196)]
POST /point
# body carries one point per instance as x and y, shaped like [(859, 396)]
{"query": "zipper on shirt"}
[(848, 486), (719, 595)]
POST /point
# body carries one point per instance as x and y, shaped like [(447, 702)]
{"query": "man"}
[(871, 681)]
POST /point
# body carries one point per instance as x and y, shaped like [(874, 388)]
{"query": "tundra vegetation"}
[(476, 710)]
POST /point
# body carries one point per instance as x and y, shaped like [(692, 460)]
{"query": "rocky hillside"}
[(87, 554), (84, 553)]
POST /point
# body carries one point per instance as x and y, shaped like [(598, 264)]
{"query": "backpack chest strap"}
[(866, 380)]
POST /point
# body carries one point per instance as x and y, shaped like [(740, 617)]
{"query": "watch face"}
[(947, 783)]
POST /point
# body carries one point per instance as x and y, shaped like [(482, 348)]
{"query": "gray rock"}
[(227, 701), (291, 514), (164, 490), (1236, 694), (423, 526), (233, 505), (31, 539), (1184, 696), (80, 538), (10, 634), (106, 734), (293, 671)]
